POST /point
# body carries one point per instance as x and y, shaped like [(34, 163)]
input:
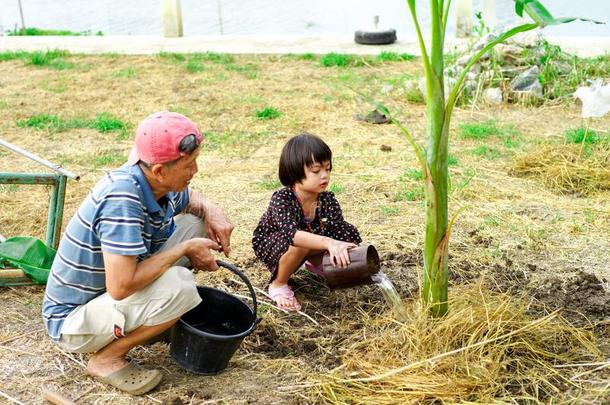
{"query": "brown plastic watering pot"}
[(364, 262)]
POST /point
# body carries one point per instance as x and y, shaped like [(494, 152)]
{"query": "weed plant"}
[(268, 113)]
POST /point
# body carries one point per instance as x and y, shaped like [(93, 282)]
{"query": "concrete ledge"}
[(146, 45)]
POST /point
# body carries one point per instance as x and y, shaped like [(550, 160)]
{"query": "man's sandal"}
[(133, 379), (275, 293)]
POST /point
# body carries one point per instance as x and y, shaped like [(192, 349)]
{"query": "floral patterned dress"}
[(284, 217)]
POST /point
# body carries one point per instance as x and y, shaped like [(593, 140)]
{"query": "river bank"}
[(257, 44)]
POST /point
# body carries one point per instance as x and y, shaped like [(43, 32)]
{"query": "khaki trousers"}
[(94, 325)]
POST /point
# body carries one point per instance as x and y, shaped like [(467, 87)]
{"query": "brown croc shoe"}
[(133, 379)]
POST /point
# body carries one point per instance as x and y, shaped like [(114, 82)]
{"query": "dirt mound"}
[(581, 294)]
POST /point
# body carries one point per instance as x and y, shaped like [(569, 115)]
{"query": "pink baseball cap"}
[(158, 137)]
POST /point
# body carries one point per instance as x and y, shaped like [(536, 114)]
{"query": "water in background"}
[(267, 17)]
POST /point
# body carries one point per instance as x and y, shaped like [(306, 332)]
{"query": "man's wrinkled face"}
[(179, 174)]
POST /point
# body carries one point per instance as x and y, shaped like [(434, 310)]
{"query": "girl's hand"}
[(338, 251)]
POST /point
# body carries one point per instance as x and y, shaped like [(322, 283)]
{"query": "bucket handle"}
[(241, 275)]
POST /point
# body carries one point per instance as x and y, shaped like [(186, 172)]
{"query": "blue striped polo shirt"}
[(120, 216)]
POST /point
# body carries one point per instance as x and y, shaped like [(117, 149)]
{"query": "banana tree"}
[(433, 158)]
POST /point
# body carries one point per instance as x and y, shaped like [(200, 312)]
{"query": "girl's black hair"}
[(300, 151)]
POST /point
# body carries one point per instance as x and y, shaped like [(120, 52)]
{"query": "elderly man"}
[(119, 276)]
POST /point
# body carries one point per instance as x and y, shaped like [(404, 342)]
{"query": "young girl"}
[(303, 221)]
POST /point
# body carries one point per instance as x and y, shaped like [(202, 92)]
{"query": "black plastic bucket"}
[(206, 337)]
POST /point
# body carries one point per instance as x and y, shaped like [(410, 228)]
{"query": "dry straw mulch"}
[(488, 349), (566, 168)]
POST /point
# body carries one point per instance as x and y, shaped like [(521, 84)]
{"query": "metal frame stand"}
[(57, 181)]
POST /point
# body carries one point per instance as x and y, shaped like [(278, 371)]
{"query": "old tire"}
[(375, 37)]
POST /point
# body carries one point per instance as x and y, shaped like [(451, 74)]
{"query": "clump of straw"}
[(564, 169), (487, 349)]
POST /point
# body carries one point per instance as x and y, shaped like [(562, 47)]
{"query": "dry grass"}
[(527, 239), (487, 350), (564, 169)]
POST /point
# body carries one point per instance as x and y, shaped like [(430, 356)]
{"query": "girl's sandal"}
[(133, 379), (315, 269), (275, 293)]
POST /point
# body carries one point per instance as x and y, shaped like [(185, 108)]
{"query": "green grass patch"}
[(127, 73), (580, 135), (105, 122), (415, 194), (479, 130), (43, 121), (220, 58), (269, 184), (336, 188), (452, 160), (389, 211), (412, 174), (108, 160), (267, 113), (387, 56), (194, 65), (340, 60), (172, 56), (12, 55), (486, 152), (511, 137), (33, 31), (53, 123), (249, 70), (299, 56), (238, 143)]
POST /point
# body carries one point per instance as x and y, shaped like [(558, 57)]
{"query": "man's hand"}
[(198, 252), (219, 228)]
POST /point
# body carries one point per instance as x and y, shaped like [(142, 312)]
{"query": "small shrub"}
[(44, 58), (268, 113)]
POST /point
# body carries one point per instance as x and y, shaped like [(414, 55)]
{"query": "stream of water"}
[(391, 295)]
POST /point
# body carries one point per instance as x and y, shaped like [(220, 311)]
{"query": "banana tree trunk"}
[(435, 277)]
